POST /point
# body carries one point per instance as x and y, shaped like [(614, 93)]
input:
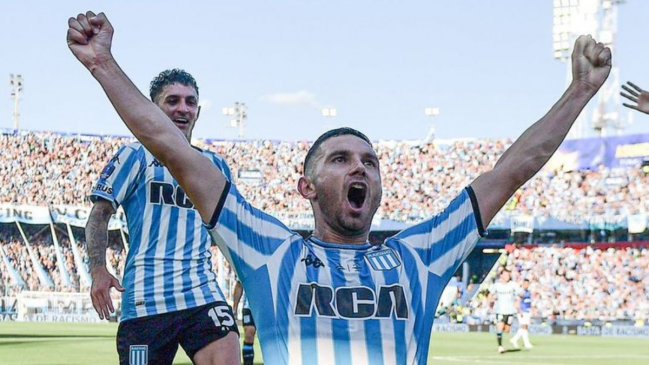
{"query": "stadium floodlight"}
[(239, 112), (16, 84), (432, 113), (329, 112)]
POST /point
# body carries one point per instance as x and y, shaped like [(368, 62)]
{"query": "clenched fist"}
[(90, 38), (591, 63)]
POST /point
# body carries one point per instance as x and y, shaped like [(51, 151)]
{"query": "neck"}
[(328, 235)]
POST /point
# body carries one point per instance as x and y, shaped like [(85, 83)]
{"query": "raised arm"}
[(97, 241), (637, 95), (89, 38), (591, 64)]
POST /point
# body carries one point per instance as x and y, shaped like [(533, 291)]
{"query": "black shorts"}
[(155, 339), (246, 317), (506, 319)]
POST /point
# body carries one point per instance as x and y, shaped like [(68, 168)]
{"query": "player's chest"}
[(350, 285), (161, 189)]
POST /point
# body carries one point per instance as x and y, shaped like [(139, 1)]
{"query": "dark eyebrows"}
[(343, 152)]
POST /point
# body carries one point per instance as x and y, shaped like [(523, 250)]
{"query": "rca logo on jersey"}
[(138, 355), (166, 193), (357, 302), (383, 260)]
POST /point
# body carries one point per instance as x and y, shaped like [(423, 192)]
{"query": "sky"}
[(487, 65)]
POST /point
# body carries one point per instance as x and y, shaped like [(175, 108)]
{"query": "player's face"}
[(347, 184), (180, 103)]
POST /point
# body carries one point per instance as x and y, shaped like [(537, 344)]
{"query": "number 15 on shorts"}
[(221, 316)]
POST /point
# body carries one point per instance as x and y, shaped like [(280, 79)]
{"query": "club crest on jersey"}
[(108, 170), (138, 355), (383, 260)]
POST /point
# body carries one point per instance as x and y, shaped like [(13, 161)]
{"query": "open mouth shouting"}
[(356, 195)]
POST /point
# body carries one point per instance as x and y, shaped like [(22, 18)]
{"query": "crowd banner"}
[(76, 216), (28, 214), (522, 223), (592, 153), (36, 306), (637, 223)]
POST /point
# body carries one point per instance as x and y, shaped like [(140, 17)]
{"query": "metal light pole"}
[(16, 84), (239, 112)]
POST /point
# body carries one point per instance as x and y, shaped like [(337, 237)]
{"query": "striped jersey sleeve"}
[(115, 182), (446, 240), (247, 236)]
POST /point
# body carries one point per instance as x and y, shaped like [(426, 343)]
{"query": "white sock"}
[(526, 338)]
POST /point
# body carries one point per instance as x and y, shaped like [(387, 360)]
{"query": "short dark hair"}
[(330, 134), (169, 77)]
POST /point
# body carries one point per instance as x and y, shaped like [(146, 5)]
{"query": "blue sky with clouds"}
[(487, 65)]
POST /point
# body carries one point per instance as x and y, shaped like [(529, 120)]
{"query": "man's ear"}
[(306, 188)]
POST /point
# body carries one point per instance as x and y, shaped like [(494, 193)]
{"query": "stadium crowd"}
[(568, 284), (418, 180)]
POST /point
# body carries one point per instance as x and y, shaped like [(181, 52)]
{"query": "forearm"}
[(535, 146), (97, 237), (146, 121)]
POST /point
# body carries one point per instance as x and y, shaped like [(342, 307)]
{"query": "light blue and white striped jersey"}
[(168, 267), (320, 303)]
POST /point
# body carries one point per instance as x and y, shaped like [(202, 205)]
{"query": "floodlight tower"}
[(16, 84), (598, 18), (239, 112)]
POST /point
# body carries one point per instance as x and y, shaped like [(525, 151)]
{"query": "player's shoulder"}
[(132, 148)]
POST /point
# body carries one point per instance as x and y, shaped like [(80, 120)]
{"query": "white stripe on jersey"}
[(446, 261), (424, 240)]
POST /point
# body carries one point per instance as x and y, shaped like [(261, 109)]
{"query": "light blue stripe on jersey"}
[(339, 326), (392, 277), (309, 326), (170, 248), (190, 299), (150, 252), (284, 281), (372, 328)]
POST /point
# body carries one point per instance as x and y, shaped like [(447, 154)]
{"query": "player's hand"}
[(637, 95), (591, 63), (102, 281), (89, 38)]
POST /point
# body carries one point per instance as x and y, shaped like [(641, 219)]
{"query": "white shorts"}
[(524, 319)]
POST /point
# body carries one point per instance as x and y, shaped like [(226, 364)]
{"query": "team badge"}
[(138, 355), (383, 260), (108, 170)]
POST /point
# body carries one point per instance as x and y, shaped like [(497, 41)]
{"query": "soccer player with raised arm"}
[(334, 298), (170, 297)]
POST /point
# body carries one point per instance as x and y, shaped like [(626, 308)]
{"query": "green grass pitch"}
[(70, 344)]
